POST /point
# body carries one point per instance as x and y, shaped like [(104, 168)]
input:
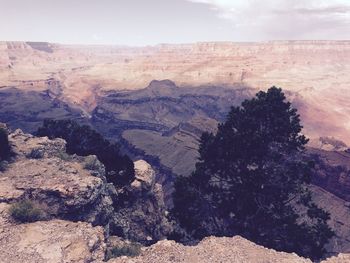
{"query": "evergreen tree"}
[(251, 180)]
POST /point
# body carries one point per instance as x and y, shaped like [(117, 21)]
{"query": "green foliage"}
[(5, 148), (251, 179), (26, 211), (129, 250), (83, 141)]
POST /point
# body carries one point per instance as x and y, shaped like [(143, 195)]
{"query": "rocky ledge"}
[(53, 241), (81, 211), (67, 187), (218, 250)]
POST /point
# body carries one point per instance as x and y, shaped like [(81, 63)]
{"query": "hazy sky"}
[(148, 22)]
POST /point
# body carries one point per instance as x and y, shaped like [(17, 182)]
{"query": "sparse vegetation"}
[(5, 148), (91, 163), (129, 250), (3, 165), (84, 141), (35, 154), (64, 156), (251, 180), (26, 211)]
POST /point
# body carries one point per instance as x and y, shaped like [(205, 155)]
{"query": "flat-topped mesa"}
[(15, 45)]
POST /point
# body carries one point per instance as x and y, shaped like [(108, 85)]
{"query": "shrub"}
[(129, 250), (26, 211), (64, 156), (5, 148), (35, 154), (3, 165), (83, 140)]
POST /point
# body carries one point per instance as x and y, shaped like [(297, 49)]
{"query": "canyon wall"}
[(315, 73)]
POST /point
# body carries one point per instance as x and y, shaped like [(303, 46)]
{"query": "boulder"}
[(144, 217)]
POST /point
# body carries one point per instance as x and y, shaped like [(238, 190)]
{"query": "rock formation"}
[(41, 80), (59, 184), (52, 241), (144, 219), (217, 250), (332, 171), (80, 213), (313, 72), (43, 172), (74, 189)]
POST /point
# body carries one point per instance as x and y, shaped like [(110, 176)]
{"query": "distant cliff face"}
[(315, 72), (163, 122)]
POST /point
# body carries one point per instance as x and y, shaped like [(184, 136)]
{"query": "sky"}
[(150, 22)]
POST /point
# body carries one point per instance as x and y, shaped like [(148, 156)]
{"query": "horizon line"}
[(176, 44)]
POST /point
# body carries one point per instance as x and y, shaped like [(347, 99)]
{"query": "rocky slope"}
[(73, 196), (213, 250), (27, 109), (80, 212), (144, 217), (165, 121), (62, 188), (332, 171), (339, 221), (218, 250), (44, 173), (52, 241)]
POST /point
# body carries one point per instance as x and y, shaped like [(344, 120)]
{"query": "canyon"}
[(314, 73), (156, 101)]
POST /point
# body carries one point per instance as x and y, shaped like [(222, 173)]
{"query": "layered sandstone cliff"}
[(314, 72)]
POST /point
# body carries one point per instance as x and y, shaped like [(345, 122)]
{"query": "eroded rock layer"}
[(315, 72)]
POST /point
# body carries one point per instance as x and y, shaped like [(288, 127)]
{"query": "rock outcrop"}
[(73, 196), (43, 172), (59, 184), (219, 250), (52, 241), (339, 219), (144, 219), (332, 171), (212, 250)]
